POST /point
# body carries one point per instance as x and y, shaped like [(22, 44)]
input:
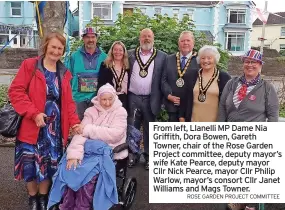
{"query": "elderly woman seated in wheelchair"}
[(86, 178)]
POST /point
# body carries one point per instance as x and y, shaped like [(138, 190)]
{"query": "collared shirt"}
[(139, 85), (90, 61), (187, 56)]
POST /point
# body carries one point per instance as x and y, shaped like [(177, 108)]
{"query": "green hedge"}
[(3, 94)]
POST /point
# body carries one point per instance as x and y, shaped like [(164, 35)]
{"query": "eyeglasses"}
[(250, 62)]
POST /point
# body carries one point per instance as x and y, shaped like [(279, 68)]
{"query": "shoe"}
[(55, 207), (235, 206), (249, 208), (33, 202), (42, 202), (133, 160), (146, 165)]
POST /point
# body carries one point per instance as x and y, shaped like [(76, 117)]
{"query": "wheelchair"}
[(126, 186)]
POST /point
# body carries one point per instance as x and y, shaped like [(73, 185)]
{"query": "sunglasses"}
[(49, 119)]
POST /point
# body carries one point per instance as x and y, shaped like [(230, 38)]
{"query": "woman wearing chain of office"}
[(200, 101)]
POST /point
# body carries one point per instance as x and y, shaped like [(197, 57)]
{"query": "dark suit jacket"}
[(169, 77), (186, 101), (156, 95)]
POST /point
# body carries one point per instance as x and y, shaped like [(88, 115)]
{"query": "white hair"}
[(211, 50)]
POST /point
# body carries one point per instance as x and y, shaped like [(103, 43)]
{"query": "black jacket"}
[(169, 77), (106, 76)]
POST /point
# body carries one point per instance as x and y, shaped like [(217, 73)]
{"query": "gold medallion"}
[(119, 89), (180, 82), (143, 73), (202, 97), (203, 90), (144, 67)]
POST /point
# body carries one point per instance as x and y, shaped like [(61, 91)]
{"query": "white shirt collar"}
[(187, 56)]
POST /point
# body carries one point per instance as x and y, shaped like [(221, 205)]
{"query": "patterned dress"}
[(39, 162)]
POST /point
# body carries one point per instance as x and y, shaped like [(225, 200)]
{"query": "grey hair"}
[(187, 32), (212, 50)]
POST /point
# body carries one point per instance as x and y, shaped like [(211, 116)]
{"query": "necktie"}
[(183, 59)]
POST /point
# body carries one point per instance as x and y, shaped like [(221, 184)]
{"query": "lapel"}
[(132, 59), (155, 67), (191, 62)]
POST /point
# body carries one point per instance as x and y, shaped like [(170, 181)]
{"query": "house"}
[(18, 24), (17, 21), (228, 23), (274, 32)]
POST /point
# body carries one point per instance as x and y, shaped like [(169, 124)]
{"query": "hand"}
[(72, 162), (174, 99), (77, 129), (39, 120), (177, 101), (181, 119)]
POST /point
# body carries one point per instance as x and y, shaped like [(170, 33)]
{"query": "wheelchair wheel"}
[(129, 193)]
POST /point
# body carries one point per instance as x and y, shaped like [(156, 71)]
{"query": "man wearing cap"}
[(84, 66), (144, 96), (176, 68)]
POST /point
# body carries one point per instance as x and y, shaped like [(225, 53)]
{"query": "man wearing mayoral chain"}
[(176, 68), (144, 96)]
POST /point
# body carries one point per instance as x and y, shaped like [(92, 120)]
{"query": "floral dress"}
[(39, 162)]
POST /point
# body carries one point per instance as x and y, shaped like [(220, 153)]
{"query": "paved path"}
[(13, 194)]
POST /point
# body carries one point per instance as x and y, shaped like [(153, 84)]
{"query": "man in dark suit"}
[(176, 68), (144, 93)]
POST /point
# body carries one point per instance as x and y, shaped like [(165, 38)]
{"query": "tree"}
[(53, 17), (166, 31), (165, 28)]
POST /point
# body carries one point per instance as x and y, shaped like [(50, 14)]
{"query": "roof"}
[(272, 19), (202, 3), (208, 35)]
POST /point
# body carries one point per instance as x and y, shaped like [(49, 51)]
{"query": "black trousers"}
[(140, 114), (173, 116)]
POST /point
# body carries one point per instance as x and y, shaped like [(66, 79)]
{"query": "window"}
[(235, 41), (16, 8), (189, 13), (282, 46), (282, 31), (157, 11), (15, 40), (175, 12), (143, 10), (236, 16), (4, 39), (104, 11)]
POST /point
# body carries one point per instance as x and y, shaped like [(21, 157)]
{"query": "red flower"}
[(242, 92)]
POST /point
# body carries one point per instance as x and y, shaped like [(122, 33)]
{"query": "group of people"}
[(97, 95)]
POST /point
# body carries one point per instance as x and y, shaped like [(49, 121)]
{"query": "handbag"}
[(10, 120)]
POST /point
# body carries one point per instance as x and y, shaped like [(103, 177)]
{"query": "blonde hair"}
[(109, 60), (187, 32), (49, 37)]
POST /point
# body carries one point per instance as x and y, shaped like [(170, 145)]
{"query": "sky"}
[(273, 5)]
